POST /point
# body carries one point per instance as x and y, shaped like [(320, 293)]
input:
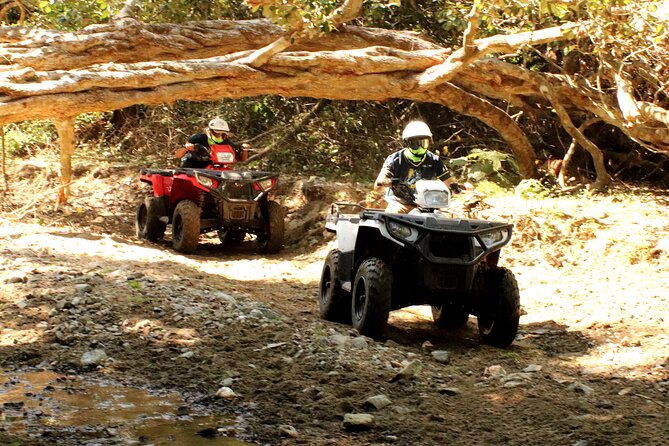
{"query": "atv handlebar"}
[(398, 184), (334, 208)]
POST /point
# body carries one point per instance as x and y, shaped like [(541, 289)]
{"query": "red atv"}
[(214, 198)]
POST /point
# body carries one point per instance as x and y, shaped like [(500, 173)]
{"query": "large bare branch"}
[(128, 9), (3, 157), (603, 177), (128, 41), (338, 85), (65, 129), (349, 10), (372, 60), (503, 81), (472, 51), (637, 111), (53, 74), (562, 174)]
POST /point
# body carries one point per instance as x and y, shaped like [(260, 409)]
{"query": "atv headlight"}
[(402, 231), (492, 238), (265, 184), (205, 181), (436, 199)]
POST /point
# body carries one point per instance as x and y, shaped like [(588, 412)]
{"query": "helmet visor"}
[(418, 143), (218, 134)]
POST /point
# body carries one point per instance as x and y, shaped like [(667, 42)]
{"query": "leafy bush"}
[(491, 165), (29, 139)]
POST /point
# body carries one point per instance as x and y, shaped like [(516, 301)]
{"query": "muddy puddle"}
[(32, 403)]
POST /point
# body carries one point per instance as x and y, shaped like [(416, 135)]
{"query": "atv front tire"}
[(450, 316), (372, 292), (271, 241), (147, 222), (186, 227), (500, 307), (334, 303)]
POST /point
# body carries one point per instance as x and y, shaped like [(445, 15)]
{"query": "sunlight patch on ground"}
[(40, 241), (620, 360), (416, 313), (305, 270), (9, 336), (146, 327)]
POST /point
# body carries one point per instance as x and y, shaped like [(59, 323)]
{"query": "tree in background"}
[(580, 64)]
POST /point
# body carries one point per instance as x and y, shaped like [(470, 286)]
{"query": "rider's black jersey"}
[(202, 138), (398, 166), (198, 160)]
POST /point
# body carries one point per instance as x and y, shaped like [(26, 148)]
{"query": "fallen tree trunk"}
[(47, 74)]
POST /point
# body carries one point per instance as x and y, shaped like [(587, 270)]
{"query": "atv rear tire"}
[(372, 293), (271, 241), (450, 316), (147, 222), (186, 227), (500, 307), (334, 303)]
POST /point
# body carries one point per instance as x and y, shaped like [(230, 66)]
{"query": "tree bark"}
[(48, 74), (603, 177), (570, 153), (4, 167), (65, 129)]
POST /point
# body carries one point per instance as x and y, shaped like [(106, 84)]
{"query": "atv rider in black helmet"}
[(410, 164), (217, 132)]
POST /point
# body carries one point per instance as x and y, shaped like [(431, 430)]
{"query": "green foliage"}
[(178, 11), (532, 189), (346, 139), (71, 15), (490, 165), (29, 139), (442, 20), (490, 188), (299, 13), (135, 285)]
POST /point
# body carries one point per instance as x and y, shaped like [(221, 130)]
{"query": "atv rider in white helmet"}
[(410, 164), (217, 132)]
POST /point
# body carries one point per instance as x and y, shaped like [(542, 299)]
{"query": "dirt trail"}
[(590, 365)]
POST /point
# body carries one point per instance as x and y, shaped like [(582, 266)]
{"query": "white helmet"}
[(219, 125), (416, 129)]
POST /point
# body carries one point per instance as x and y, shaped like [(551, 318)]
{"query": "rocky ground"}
[(235, 337)]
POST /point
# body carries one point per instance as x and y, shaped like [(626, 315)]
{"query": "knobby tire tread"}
[(189, 213), (276, 224), (151, 228), (502, 285), (379, 293), (334, 303)]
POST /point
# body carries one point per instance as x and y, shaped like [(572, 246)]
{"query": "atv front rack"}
[(440, 240), (228, 175)]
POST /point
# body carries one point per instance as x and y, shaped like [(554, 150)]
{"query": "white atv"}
[(385, 262)]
